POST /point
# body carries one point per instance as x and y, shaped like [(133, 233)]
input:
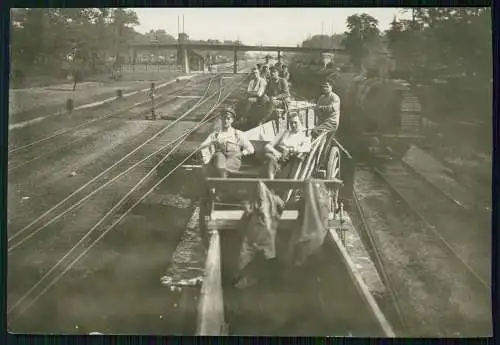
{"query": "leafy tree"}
[(320, 41), (362, 35), (452, 44), (443, 41), (122, 21), (56, 41)]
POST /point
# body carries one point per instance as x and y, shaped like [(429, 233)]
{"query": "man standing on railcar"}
[(328, 115), (327, 111)]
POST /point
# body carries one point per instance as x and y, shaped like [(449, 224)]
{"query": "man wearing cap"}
[(279, 64), (285, 74), (265, 73), (327, 111), (229, 145), (255, 97), (277, 88)]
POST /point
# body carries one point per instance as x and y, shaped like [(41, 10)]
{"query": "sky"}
[(253, 26)]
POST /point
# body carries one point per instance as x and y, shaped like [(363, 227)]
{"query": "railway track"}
[(132, 198), (436, 281), (28, 175), (22, 155), (131, 159), (467, 240), (477, 202), (392, 297)]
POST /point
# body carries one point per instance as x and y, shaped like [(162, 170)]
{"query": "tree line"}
[(448, 46), (435, 43), (58, 41)]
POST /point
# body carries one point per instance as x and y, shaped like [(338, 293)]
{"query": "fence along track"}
[(66, 268), (89, 183)]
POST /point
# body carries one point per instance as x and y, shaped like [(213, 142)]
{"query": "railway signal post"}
[(152, 96)]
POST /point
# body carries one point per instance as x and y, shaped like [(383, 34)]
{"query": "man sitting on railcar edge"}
[(229, 145)]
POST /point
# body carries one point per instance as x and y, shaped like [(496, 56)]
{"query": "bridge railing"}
[(150, 68)]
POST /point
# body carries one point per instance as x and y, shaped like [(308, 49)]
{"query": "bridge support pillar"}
[(279, 55), (134, 59), (184, 59), (182, 52), (235, 67)]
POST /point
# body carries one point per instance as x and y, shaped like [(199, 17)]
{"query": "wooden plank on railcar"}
[(282, 183), (229, 220), (363, 290), (211, 306), (394, 135), (263, 132)]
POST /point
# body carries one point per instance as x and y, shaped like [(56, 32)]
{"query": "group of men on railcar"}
[(268, 89), (230, 144)]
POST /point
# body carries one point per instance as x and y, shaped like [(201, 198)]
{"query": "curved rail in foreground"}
[(45, 283)]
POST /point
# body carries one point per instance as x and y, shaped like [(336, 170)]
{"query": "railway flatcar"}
[(328, 294)]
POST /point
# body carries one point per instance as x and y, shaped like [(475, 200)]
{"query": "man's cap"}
[(228, 110), (273, 68), (325, 83)]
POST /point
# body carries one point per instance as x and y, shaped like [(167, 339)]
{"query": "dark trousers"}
[(254, 112), (221, 162), (283, 165)]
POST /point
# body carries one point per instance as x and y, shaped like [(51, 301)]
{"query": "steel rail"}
[(201, 101), (205, 120)]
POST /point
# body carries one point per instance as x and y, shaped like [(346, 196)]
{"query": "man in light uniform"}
[(287, 147), (256, 98)]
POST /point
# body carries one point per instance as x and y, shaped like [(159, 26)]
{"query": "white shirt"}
[(298, 141), (257, 86), (232, 135)]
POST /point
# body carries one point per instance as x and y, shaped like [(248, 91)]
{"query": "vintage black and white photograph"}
[(250, 171)]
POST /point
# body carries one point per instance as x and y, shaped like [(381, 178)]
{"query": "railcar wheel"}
[(333, 172)]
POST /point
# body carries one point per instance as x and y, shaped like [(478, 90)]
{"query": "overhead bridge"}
[(183, 48), (228, 47)]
